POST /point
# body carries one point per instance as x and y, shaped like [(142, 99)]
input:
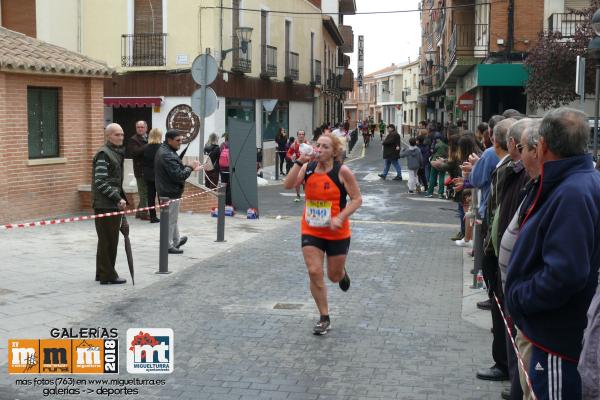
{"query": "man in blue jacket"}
[(553, 270)]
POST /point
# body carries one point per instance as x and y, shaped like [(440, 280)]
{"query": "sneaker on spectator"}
[(462, 243), (458, 236)]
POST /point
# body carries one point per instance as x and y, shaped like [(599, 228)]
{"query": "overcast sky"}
[(389, 38)]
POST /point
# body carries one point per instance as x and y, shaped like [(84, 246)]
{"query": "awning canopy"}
[(132, 101)]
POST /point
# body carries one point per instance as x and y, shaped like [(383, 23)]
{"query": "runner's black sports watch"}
[(298, 163)]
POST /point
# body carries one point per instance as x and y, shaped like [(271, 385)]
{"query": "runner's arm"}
[(349, 181), (295, 176)]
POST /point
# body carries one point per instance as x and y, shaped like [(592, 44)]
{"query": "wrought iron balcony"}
[(268, 61), (468, 40), (316, 73), (291, 66), (144, 50), (241, 56), (565, 23), (331, 83)]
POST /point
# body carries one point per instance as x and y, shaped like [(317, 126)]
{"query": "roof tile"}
[(21, 53)]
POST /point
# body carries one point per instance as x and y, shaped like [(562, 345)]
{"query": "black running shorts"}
[(330, 247)]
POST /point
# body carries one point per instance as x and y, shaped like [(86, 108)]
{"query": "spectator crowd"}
[(528, 200)]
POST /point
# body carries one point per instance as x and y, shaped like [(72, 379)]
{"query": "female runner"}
[(325, 223)]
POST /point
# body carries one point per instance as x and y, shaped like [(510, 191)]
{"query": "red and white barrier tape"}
[(512, 340), (89, 217)]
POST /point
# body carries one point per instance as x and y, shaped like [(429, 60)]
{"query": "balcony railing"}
[(439, 75), (268, 61), (291, 68), (316, 72), (331, 82), (438, 26), (565, 23), (468, 40), (242, 57), (144, 50)]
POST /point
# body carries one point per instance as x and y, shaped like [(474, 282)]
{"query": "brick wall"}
[(528, 22), (31, 192)]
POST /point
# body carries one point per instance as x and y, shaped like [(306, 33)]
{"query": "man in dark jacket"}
[(108, 196), (135, 150), (391, 153), (553, 269), (170, 176)]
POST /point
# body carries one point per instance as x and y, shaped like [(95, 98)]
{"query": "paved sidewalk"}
[(48, 272)]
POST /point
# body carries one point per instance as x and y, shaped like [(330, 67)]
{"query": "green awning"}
[(501, 75)]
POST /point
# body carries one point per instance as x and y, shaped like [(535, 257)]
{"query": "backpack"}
[(224, 158)]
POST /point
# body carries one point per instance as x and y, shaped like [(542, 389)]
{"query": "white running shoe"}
[(462, 243)]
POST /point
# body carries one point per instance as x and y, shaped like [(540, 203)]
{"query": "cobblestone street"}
[(243, 320)]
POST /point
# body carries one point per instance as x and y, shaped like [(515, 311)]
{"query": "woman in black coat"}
[(281, 140), (154, 141)]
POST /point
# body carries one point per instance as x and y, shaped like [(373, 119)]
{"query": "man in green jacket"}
[(381, 129), (108, 196), (440, 152)]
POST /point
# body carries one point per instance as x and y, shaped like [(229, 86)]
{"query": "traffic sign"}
[(204, 69), (466, 102), (210, 103)]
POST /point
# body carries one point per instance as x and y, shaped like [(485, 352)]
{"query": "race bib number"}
[(318, 213)]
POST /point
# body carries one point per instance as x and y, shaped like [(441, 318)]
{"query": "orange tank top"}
[(324, 200)]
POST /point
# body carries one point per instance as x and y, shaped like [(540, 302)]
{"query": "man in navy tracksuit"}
[(553, 270)]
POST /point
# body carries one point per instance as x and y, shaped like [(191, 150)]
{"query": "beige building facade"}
[(281, 63), (413, 110)]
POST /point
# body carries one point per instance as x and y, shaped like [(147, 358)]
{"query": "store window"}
[(278, 118)]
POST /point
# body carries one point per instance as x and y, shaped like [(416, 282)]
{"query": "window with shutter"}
[(576, 4), (42, 121)]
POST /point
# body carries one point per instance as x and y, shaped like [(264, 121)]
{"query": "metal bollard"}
[(221, 213), (276, 165), (163, 258)]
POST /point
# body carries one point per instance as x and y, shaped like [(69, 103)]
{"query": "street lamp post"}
[(594, 54), (243, 35)]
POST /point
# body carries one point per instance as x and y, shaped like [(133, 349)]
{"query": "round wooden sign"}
[(181, 118)]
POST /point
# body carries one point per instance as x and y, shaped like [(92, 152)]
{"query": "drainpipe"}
[(79, 35), (199, 29), (511, 29), (221, 36)]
